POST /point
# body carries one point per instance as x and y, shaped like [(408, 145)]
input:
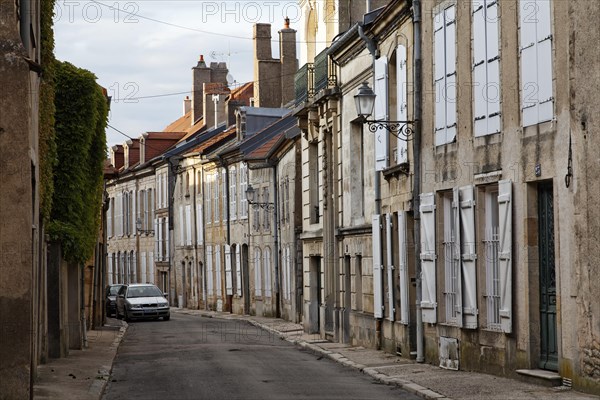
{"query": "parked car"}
[(142, 300), (111, 299)]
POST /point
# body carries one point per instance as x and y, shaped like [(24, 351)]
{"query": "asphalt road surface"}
[(190, 357)]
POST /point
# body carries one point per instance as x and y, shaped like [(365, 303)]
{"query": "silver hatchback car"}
[(142, 300)]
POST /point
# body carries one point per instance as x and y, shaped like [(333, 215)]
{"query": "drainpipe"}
[(276, 239), (229, 297), (372, 47), (418, 93)]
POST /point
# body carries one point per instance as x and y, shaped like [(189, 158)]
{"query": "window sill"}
[(396, 171)]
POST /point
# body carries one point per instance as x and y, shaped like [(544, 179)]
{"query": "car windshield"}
[(114, 290), (144, 291)]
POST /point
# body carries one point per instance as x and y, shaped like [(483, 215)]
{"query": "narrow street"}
[(191, 357)]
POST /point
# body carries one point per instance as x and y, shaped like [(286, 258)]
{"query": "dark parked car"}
[(142, 300), (111, 299)]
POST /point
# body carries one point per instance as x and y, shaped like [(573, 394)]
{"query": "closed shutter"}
[(199, 225), (119, 215), (544, 64), (377, 289), (218, 283), (428, 257), (181, 227), (451, 88), (110, 269), (381, 112), (166, 233), (238, 269), (267, 265), (402, 100), (109, 214), (257, 273), (479, 69), (151, 268), (403, 271), (390, 266), (505, 253), (529, 68), (143, 273), (469, 257), (188, 225), (439, 80), (456, 254), (209, 271), (493, 67), (284, 271), (228, 274), (158, 241), (134, 267)]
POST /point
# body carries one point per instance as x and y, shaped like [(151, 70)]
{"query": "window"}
[(209, 271), (224, 194), (381, 112), (451, 259), (358, 283), (126, 213), (313, 179), (110, 268), (141, 210), (243, 187), (187, 184), (266, 212), (286, 199), (109, 217), (208, 198), (256, 212), (233, 193), (257, 273), (492, 270), (445, 75), (150, 208), (267, 265), (198, 182), (486, 68), (218, 269), (536, 61), (216, 182), (188, 225)]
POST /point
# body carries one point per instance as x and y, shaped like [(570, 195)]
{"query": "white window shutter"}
[(390, 266), (544, 78), (209, 270), (158, 241), (381, 112), (166, 234), (493, 68), (505, 253), (188, 224), (118, 215), (377, 266), (457, 258), (479, 69), (134, 267), (181, 226), (528, 43), (440, 81), (403, 271), (257, 273), (110, 269), (228, 275), (469, 257), (451, 91), (218, 288), (428, 257), (238, 269), (401, 100)]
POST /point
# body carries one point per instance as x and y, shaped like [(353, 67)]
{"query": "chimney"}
[(187, 105), (289, 62), (214, 104), (200, 75), (267, 71)]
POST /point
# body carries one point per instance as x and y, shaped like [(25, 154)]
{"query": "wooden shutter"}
[(381, 112), (166, 233), (439, 79), (181, 227), (228, 274), (218, 288), (401, 100), (529, 83), (238, 269), (209, 271), (257, 273), (158, 241), (451, 91), (188, 225), (479, 69), (403, 272), (199, 225), (455, 221), (377, 289), (428, 257), (469, 257), (390, 266), (493, 67), (505, 253), (110, 268), (544, 61)]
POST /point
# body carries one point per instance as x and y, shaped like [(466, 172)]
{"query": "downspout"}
[(371, 45), (276, 239), (229, 297), (204, 279), (195, 208), (418, 98)]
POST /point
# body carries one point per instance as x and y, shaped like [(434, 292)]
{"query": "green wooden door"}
[(549, 350)]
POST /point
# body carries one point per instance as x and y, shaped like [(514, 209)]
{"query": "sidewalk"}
[(84, 373), (425, 380)]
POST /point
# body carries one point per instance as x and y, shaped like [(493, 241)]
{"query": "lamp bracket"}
[(403, 130)]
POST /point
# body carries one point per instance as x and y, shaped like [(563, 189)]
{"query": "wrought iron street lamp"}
[(250, 196), (365, 102), (138, 226)]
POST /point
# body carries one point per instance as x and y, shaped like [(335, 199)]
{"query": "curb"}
[(105, 371)]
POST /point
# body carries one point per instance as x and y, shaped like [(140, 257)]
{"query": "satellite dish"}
[(230, 79)]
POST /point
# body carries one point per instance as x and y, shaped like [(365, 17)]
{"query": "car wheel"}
[(168, 317)]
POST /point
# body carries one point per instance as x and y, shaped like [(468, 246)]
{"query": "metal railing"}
[(304, 83), (325, 74)]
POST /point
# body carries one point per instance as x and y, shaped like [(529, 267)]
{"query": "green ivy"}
[(47, 143), (80, 124)]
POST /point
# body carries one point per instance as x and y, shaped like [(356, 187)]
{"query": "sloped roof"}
[(243, 93), (223, 136)]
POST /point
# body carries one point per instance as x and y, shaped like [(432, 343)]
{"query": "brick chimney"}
[(201, 74), (267, 71), (289, 61)]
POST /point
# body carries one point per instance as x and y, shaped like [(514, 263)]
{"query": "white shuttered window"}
[(445, 75), (536, 61), (377, 267), (468, 257), (486, 67), (505, 253), (402, 100), (381, 112), (428, 257)]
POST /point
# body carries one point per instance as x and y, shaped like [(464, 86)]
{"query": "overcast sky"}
[(143, 51)]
